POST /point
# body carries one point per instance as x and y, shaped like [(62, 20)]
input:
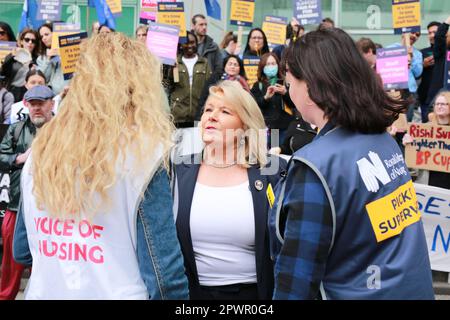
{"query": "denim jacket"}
[(159, 255)]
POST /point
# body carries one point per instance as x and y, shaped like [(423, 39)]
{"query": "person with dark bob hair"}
[(345, 223)]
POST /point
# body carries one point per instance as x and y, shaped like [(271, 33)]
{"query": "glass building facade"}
[(369, 18)]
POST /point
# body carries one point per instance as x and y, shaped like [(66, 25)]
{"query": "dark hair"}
[(378, 46), (198, 15), (341, 82), (241, 64), (43, 48), (265, 47), (291, 34), (180, 45), (366, 44), (433, 24), (262, 63), (37, 44), (229, 36), (9, 32), (322, 25), (35, 72)]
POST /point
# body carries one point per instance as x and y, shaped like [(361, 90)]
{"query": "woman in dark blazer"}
[(221, 200)]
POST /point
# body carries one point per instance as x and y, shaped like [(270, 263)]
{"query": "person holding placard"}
[(439, 116), (257, 44), (294, 30), (19, 62), (193, 72), (49, 61), (343, 225)]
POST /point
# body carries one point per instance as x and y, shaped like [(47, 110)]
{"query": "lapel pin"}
[(259, 185)]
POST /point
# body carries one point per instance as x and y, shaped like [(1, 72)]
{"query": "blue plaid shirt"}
[(300, 265)]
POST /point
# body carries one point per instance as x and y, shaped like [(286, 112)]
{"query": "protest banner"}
[(6, 47), (251, 69), (392, 66), (406, 16), (149, 10), (307, 11), (115, 6), (434, 204), (69, 47), (242, 12), (172, 13), (275, 30), (62, 29), (430, 148), (162, 41), (49, 10)]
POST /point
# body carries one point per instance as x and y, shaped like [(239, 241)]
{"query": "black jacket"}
[(212, 53), (273, 109), (186, 177), (439, 50), (427, 75)]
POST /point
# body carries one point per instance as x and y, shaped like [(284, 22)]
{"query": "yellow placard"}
[(406, 14), (270, 195), (430, 148), (174, 18), (70, 52), (63, 29), (275, 32), (251, 72), (393, 213), (115, 6), (242, 12)]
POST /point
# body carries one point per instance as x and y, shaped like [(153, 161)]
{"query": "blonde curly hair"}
[(114, 107)]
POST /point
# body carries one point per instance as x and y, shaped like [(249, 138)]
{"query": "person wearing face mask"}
[(273, 98)]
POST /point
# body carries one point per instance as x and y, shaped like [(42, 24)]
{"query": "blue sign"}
[(308, 11)]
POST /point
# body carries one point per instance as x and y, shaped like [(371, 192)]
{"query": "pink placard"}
[(162, 41)]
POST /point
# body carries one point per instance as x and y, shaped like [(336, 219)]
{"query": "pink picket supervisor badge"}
[(162, 41), (392, 65)]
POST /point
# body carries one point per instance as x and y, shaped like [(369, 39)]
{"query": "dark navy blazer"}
[(186, 176)]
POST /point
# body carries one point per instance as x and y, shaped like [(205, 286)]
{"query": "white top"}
[(19, 110), (222, 227), (88, 259), (190, 63)]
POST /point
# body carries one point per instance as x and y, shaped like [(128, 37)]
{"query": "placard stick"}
[(240, 34), (176, 77)]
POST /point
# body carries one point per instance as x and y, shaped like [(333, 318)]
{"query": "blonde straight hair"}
[(113, 107), (242, 102)]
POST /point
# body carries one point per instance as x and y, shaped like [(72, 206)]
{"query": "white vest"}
[(88, 260)]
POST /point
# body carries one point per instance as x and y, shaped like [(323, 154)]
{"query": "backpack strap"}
[(17, 131)]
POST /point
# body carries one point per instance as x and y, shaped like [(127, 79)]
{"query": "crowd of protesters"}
[(236, 221)]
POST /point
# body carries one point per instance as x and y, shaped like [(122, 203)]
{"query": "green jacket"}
[(8, 154), (184, 98)]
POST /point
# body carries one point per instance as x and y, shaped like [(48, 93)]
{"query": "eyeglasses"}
[(29, 40), (441, 104), (257, 38)]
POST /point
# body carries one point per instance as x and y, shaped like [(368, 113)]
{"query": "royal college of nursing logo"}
[(373, 171)]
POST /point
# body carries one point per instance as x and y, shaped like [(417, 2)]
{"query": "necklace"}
[(221, 166)]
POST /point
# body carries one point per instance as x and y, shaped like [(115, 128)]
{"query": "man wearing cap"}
[(14, 151)]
